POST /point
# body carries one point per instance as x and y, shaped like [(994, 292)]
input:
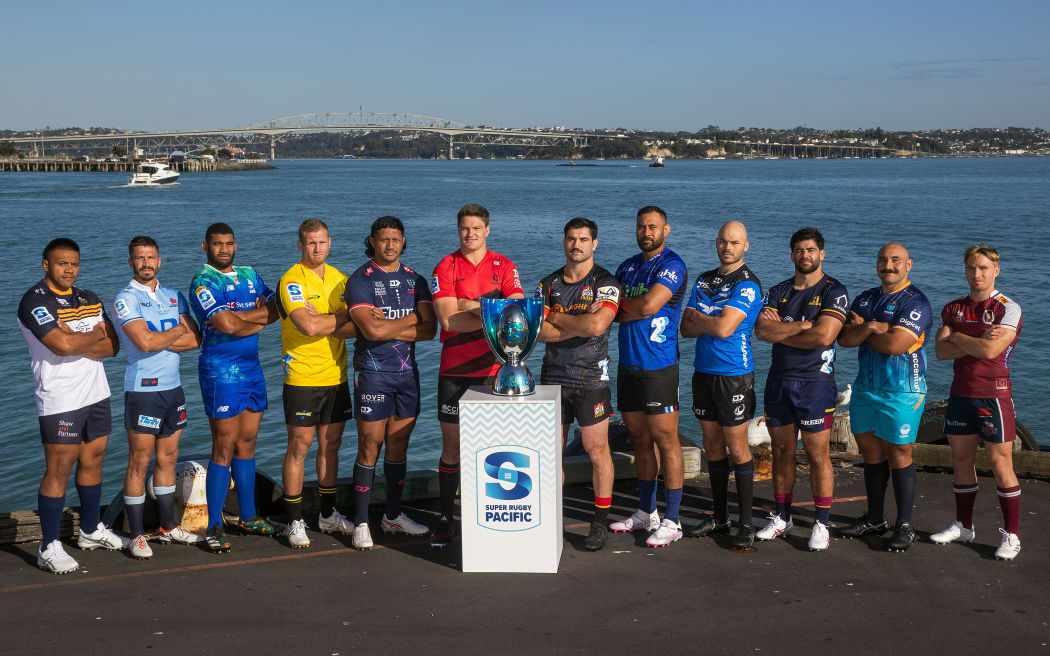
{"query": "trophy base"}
[(513, 380)]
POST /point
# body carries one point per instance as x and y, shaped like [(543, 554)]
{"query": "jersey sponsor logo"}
[(599, 409), (749, 294), (957, 424), (812, 422), (149, 382), (609, 293), (295, 292), (148, 422), (394, 283), (984, 412), (449, 409), (670, 275), (372, 398), (435, 286), (42, 316), (304, 413), (379, 288), (205, 297), (121, 307)]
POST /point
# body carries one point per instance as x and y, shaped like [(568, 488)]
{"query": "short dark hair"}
[(141, 240), (580, 222), (472, 210), (380, 224), (217, 229), (312, 225), (805, 234), (64, 243), (650, 209)]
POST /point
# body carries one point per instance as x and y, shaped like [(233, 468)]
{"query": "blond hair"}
[(311, 225), (981, 249)]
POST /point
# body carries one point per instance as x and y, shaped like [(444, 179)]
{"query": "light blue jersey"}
[(149, 372)]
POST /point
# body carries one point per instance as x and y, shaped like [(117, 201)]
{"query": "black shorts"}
[(75, 426), (156, 413), (451, 389), (728, 400), (587, 406), (653, 391), (310, 406)]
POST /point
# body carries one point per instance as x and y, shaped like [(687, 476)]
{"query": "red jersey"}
[(467, 354), (982, 378)]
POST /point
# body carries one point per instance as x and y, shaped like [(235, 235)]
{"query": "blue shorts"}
[(381, 395), (225, 400), (894, 417), (808, 404)]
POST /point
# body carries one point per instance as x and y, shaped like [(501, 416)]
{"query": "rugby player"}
[(232, 305), (889, 323), (802, 317), (721, 313), (580, 301), (391, 306), (979, 332), (459, 281), (314, 325), (154, 326), (653, 285), (68, 334)]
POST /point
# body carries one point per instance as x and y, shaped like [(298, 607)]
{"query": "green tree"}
[(7, 149), (225, 153), (119, 151)]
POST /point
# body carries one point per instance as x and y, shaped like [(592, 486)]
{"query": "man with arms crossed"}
[(154, 326), (391, 306), (979, 332), (232, 304), (721, 312), (802, 316), (889, 323), (68, 333), (580, 301), (459, 281), (314, 325), (653, 284)]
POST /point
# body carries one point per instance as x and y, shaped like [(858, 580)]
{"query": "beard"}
[(219, 264), (656, 243), (807, 269)]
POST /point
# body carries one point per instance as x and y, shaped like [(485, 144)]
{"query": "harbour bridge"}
[(269, 133)]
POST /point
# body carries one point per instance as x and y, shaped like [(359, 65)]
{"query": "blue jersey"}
[(827, 298), (712, 293), (160, 309), (226, 358), (652, 343), (397, 294), (907, 309)]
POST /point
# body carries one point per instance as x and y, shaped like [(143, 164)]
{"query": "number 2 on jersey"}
[(659, 324)]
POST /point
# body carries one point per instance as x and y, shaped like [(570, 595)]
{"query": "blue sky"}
[(642, 65)]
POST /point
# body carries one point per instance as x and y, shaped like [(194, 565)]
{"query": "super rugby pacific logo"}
[(508, 488)]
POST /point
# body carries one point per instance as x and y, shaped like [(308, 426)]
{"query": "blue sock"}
[(218, 483), (394, 473), (646, 495), (674, 500), (244, 480), (50, 510), (90, 505), (133, 507), (364, 476), (165, 506)]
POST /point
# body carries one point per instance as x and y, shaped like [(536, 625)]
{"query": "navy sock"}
[(448, 483), (90, 505), (364, 476), (719, 472), (673, 498), (904, 489), (876, 478), (217, 483), (646, 495), (243, 470), (745, 489), (394, 472), (165, 506), (50, 510), (133, 507)]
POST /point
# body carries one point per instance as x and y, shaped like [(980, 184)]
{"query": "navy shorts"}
[(990, 419), (381, 395), (808, 404), (75, 426), (156, 413), (225, 400)]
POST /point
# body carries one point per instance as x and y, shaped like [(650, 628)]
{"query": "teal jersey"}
[(226, 358), (906, 309)]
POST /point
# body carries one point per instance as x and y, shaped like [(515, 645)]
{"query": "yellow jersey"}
[(311, 361)]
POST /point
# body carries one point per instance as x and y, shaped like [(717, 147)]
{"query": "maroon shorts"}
[(990, 419)]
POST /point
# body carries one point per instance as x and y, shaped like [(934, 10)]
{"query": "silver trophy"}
[(512, 327)]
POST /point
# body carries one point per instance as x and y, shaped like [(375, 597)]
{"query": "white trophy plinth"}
[(510, 489)]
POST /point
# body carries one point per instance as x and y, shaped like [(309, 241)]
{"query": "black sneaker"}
[(744, 538), (443, 533), (216, 539), (903, 536), (597, 536), (710, 527), (863, 526)]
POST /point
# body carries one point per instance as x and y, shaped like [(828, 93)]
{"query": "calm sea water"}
[(936, 207)]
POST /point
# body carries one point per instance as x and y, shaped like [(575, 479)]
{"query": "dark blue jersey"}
[(712, 293), (652, 342), (827, 298), (907, 309), (397, 294)]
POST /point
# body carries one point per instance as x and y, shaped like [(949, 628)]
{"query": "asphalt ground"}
[(696, 596)]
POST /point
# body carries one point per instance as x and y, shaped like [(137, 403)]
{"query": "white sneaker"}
[(178, 535), (954, 532), (775, 528), (139, 548), (54, 558), (665, 534), (639, 521), (819, 539), (403, 524), (101, 538), (362, 537), (335, 524), (1010, 547), (296, 533)]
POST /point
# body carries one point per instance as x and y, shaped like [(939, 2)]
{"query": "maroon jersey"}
[(982, 378)]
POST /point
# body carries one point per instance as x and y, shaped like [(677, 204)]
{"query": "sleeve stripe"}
[(833, 311), (614, 306), (357, 305), (907, 330)]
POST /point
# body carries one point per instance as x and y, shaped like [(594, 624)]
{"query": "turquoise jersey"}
[(225, 358), (160, 309), (906, 309)]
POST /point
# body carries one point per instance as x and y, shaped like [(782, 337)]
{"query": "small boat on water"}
[(153, 174), (658, 164)]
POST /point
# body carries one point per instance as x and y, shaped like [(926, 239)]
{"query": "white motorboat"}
[(153, 174)]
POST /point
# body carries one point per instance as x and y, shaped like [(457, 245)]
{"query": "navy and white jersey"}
[(578, 362), (826, 298), (397, 294), (712, 293), (652, 343), (160, 309), (907, 309)]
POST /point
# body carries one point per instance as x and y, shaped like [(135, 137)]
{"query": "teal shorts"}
[(894, 417)]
